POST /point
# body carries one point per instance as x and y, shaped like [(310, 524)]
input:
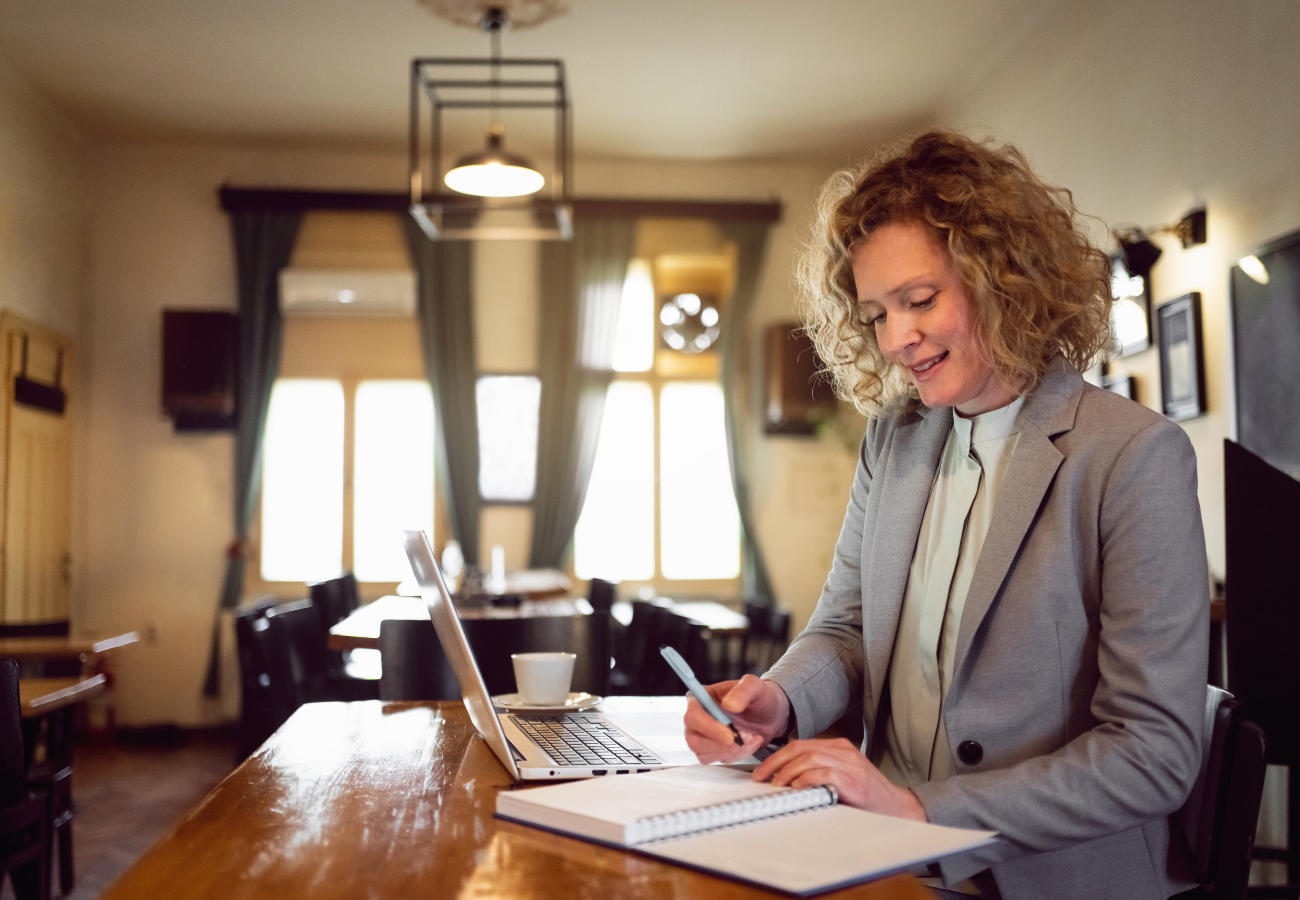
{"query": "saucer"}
[(578, 701)]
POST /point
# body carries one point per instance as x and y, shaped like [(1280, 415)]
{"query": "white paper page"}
[(656, 722), (626, 798), (811, 850)]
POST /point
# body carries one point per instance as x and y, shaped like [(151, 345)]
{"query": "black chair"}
[(335, 599), (766, 638), (1262, 519), (52, 776), (297, 657), (257, 721), (414, 666), (24, 829), (634, 671), (1220, 816), (689, 639), (492, 641), (601, 594)]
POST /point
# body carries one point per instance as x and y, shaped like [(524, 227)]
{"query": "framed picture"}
[(1182, 360), (1130, 316)]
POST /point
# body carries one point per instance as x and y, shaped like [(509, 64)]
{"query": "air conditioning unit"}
[(347, 292)]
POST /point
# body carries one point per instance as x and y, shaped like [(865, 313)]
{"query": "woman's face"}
[(911, 293)]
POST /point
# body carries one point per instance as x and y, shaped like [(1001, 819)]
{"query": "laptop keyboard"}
[(576, 740)]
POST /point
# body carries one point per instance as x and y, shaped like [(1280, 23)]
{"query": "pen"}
[(697, 690)]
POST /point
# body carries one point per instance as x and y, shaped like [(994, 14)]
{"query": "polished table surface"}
[(395, 800)]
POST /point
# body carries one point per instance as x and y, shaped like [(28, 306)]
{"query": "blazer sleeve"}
[(1138, 762), (822, 671)]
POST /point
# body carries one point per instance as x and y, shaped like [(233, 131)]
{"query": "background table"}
[(360, 630), (395, 800)]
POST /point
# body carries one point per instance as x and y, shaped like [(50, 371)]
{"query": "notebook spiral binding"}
[(721, 815)]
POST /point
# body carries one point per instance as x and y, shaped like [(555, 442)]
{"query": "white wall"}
[(1146, 110)]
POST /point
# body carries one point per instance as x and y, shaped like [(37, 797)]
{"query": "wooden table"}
[(375, 800), (91, 651), (44, 695), (360, 631)]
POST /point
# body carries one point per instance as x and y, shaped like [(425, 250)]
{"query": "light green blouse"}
[(966, 486)]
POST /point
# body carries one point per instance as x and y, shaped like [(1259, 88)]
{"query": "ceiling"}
[(671, 78)]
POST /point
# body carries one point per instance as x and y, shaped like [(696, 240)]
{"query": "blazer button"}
[(970, 752)]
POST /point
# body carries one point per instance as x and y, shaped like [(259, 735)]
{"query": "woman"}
[(1018, 600)]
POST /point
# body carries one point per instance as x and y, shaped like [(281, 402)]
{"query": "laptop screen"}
[(452, 637)]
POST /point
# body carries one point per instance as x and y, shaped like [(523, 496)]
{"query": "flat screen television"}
[(1266, 328)]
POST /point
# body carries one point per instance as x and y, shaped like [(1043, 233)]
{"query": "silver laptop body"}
[(523, 757)]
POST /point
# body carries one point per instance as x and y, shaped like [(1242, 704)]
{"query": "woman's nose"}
[(899, 333)]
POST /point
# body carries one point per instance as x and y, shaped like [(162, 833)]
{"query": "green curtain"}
[(751, 248), (581, 288), (444, 275), (263, 243)]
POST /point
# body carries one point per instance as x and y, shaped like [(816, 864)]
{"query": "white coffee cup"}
[(543, 678)]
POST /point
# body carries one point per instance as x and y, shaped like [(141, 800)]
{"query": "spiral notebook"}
[(717, 820)]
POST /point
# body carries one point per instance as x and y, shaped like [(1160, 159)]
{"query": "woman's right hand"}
[(758, 709)]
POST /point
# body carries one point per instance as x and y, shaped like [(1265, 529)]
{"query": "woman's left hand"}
[(841, 765)]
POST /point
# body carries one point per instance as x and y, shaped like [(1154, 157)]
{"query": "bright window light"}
[(392, 487), (615, 537), (700, 527), (634, 341), (302, 478), (507, 436)]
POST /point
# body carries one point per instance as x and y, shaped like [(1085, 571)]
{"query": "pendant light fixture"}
[(492, 172)]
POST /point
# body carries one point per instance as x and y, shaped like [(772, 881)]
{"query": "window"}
[(347, 465), (659, 506), (507, 437)]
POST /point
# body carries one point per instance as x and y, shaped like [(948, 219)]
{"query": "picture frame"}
[(1182, 357), (1130, 315)]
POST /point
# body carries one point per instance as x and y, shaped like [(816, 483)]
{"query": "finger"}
[(746, 691), (798, 763), (816, 778), (701, 722), (768, 767)]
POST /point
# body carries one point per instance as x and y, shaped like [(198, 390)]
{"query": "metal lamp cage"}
[(430, 78)]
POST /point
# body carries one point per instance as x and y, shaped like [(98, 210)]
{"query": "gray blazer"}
[(1080, 667)]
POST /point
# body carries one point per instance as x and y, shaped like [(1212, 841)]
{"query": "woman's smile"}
[(912, 294)]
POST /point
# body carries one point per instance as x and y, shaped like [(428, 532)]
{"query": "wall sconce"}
[(1140, 254)]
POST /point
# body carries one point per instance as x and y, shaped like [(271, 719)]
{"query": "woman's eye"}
[(926, 303), (877, 320)]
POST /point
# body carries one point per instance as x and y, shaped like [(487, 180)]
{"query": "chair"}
[(335, 599), (414, 666), (257, 721), (24, 830), (601, 594), (766, 638), (297, 657), (492, 641), (1220, 815), (687, 638), (53, 778)]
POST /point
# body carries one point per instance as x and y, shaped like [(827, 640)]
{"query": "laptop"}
[(648, 735)]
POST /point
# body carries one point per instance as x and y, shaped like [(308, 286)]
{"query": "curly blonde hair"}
[(1038, 284)]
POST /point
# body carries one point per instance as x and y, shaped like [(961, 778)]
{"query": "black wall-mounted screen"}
[(200, 379), (1266, 328)]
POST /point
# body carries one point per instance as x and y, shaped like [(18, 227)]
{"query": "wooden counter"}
[(395, 800)]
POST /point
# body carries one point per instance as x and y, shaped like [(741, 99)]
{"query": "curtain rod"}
[(233, 199)]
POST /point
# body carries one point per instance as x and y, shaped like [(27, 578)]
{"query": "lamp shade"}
[(493, 172)]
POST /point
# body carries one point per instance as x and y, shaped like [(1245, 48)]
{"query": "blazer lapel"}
[(904, 492), (1048, 411)]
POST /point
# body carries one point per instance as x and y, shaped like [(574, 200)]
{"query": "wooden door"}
[(37, 473)]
